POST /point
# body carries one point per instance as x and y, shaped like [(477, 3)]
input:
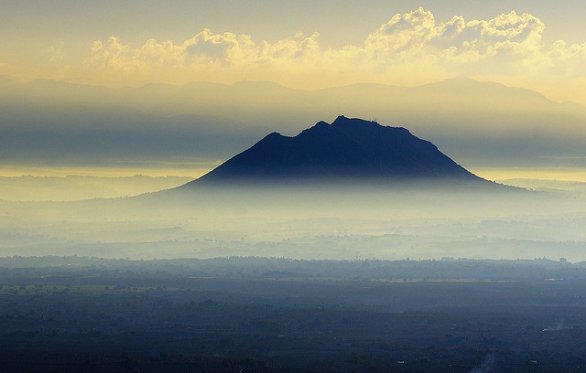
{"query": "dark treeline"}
[(256, 267)]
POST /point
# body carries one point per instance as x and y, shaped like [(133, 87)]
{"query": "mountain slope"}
[(352, 150)]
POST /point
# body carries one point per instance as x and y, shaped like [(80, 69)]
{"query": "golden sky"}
[(539, 45), (51, 128)]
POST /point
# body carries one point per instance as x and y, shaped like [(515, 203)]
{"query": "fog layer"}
[(324, 223)]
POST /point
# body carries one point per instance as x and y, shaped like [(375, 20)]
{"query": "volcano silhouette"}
[(347, 150)]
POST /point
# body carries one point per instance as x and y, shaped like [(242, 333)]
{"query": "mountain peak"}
[(348, 149), (342, 120)]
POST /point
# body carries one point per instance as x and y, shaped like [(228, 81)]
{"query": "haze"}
[(283, 186), (66, 103)]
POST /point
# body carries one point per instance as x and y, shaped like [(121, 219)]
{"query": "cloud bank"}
[(410, 48)]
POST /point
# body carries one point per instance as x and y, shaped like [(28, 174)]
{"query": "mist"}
[(327, 222), (478, 123), (82, 187), (221, 186)]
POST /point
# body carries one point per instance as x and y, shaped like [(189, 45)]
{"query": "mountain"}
[(347, 150)]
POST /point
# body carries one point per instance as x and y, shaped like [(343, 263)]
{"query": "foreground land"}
[(273, 315)]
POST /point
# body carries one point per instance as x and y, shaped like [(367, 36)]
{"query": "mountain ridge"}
[(347, 150)]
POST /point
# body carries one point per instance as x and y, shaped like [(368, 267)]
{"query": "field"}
[(273, 315)]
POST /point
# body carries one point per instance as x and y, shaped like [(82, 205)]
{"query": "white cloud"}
[(569, 59), (508, 44), (116, 56), (404, 32)]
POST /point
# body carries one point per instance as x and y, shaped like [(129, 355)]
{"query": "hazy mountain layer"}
[(480, 124)]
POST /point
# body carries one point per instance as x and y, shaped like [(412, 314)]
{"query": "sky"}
[(537, 45), (303, 44)]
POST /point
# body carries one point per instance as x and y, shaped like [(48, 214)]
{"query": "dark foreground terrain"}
[(274, 315)]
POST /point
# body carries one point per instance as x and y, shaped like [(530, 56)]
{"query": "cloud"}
[(414, 42), (570, 58), (408, 32), (511, 38), (205, 48), (115, 56)]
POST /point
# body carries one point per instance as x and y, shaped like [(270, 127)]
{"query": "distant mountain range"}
[(480, 123), (347, 150)]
